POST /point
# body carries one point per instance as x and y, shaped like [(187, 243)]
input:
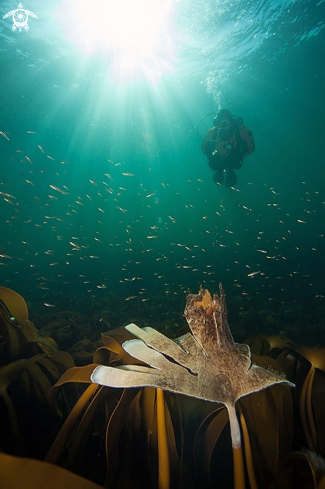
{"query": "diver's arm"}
[(247, 143), (209, 143)]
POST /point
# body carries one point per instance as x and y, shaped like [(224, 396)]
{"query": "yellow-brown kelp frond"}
[(31, 474), (19, 333)]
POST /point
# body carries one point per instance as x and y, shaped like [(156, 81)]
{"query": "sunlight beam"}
[(132, 33)]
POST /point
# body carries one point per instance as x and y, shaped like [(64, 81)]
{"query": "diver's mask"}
[(225, 128), (224, 124)]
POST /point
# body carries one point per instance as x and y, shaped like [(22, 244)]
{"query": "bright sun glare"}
[(133, 33)]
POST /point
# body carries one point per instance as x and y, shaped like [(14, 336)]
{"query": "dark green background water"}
[(157, 227)]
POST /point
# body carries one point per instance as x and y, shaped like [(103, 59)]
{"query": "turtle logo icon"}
[(20, 18)]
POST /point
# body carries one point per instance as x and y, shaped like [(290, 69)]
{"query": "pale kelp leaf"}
[(137, 376), (183, 350), (207, 364), (139, 350), (218, 371)]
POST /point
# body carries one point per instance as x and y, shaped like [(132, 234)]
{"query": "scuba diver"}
[(226, 145)]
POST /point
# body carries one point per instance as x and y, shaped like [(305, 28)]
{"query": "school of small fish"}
[(122, 229)]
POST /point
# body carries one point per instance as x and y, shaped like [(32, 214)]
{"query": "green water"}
[(104, 191)]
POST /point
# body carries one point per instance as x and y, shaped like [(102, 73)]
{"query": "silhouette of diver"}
[(226, 144)]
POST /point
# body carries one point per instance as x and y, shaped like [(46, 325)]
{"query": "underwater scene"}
[(162, 241)]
